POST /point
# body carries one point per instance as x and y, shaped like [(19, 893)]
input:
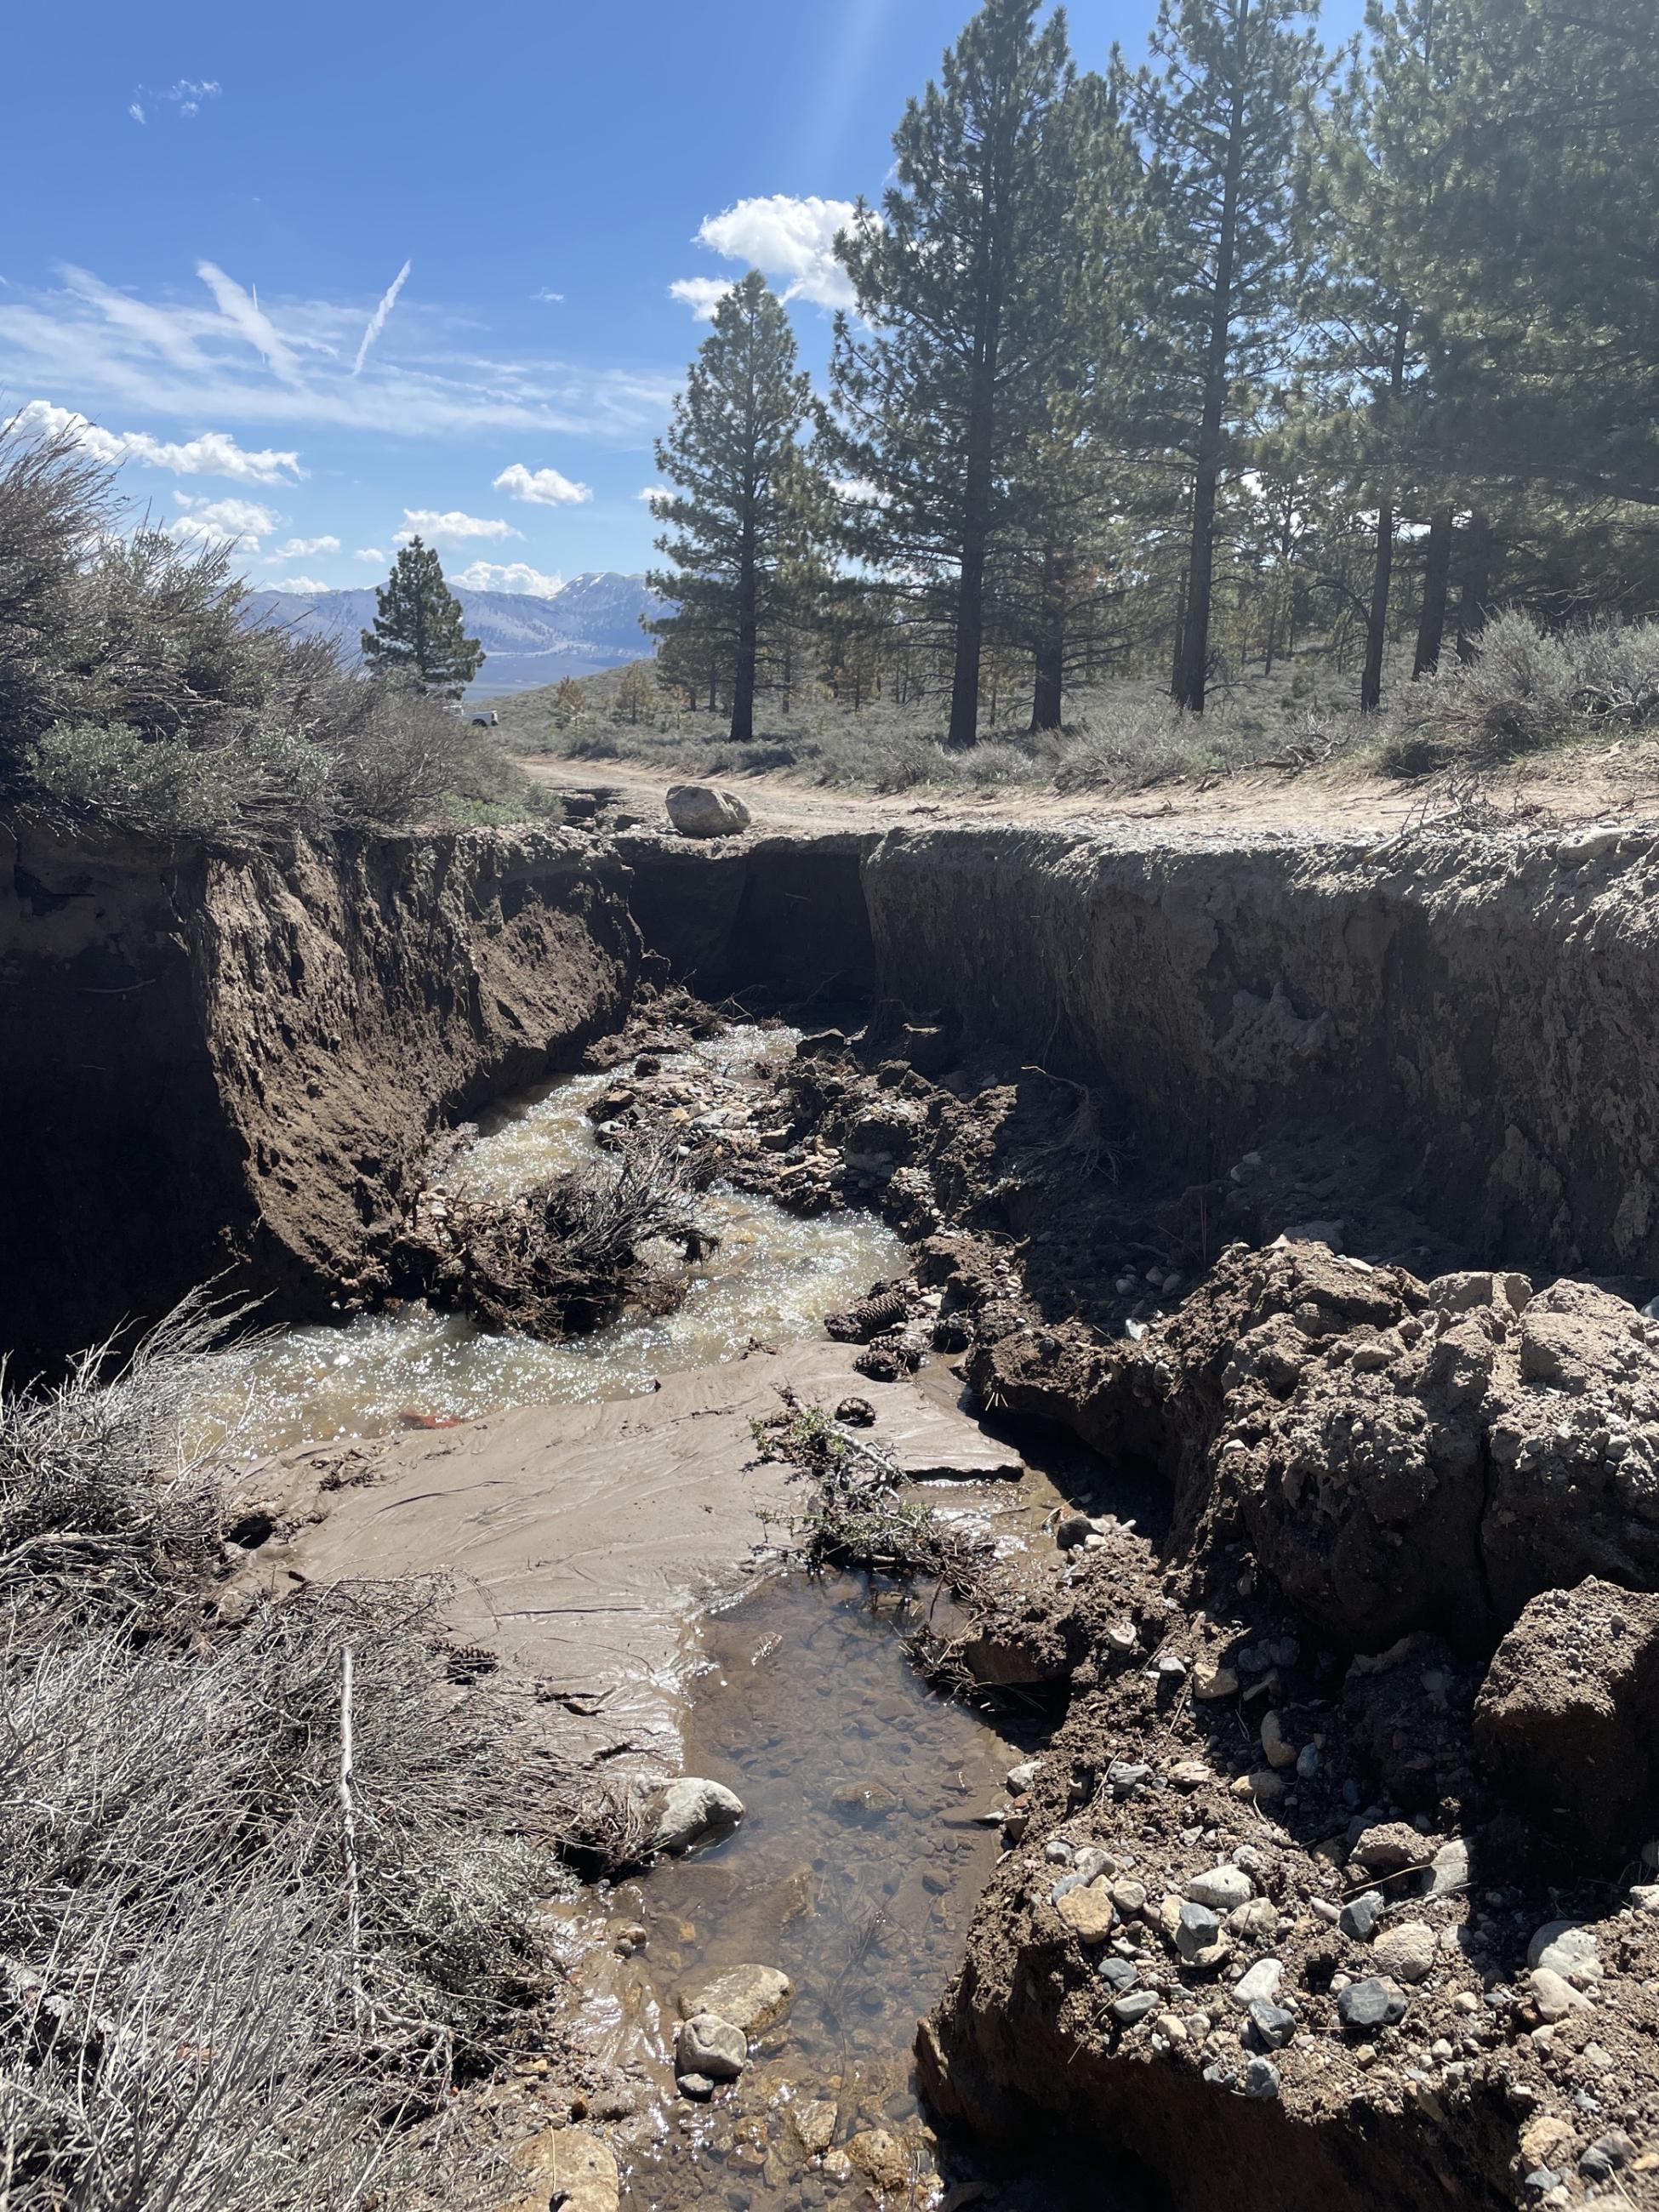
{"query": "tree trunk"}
[(714, 684), (1048, 687), (743, 680), (1437, 580), (1201, 567), (1477, 585), (1376, 621)]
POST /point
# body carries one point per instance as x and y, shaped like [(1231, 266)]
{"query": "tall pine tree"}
[(741, 522), (938, 388), (1217, 114), (420, 632)]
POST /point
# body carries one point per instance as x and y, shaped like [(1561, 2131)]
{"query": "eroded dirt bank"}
[(213, 1064)]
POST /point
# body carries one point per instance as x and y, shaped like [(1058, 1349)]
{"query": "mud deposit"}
[(855, 1872)]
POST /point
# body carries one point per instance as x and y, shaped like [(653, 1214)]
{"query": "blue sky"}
[(207, 206)]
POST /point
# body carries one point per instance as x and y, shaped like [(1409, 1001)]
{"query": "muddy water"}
[(855, 1870), (772, 1276)]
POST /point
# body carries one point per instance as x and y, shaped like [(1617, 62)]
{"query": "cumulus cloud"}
[(509, 576), (790, 239), (214, 453), (243, 522), (310, 587), (702, 295), (368, 553), (378, 320), (449, 529), (304, 549), (541, 487), (652, 491)]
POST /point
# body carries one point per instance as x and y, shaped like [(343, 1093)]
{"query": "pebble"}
[(1125, 1776), (1567, 1950), (1197, 1931), (1372, 2003), (1387, 1848), (1212, 1682), (1645, 1897), (1258, 1984), (709, 2046), (1261, 2079), (1057, 1851), (1118, 1974), (1224, 1888), (1307, 1762), (1021, 1778), (1086, 1910), (1129, 1898), (1134, 2005), (1271, 2025), (1361, 1914), (1449, 1870), (1276, 1746), (1554, 1996), (698, 2087), (1406, 1951), (1093, 1859), (1190, 1774), (692, 1807), (1255, 1922)]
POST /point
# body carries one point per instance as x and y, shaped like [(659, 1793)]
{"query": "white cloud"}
[(181, 360), (309, 587), (242, 311), (369, 553), (185, 97), (541, 487), (214, 453), (509, 576), (136, 112), (790, 239), (449, 529), (549, 299), (222, 521), (652, 491), (377, 320), (702, 295), (304, 549), (859, 491)]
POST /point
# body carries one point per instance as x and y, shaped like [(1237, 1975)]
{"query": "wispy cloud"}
[(509, 576), (186, 98), (181, 360), (242, 522), (213, 454), (242, 311), (451, 528), (549, 299), (789, 239), (378, 320), (304, 549), (542, 487)]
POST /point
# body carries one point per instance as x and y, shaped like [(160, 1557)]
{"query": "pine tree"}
[(939, 386), (569, 701), (633, 699), (420, 632), (1219, 120), (739, 525)]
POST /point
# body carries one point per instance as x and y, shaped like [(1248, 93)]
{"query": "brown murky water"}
[(772, 1275), (856, 1871)]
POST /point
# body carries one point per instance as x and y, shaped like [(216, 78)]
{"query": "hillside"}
[(592, 623)]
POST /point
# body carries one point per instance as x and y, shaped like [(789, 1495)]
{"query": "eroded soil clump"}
[(1332, 1874)]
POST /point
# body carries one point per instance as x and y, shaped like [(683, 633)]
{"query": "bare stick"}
[(348, 1818)]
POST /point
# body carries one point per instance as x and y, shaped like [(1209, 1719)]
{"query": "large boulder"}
[(687, 1810), (697, 810)]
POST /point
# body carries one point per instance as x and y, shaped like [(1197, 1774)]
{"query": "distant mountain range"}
[(590, 623)]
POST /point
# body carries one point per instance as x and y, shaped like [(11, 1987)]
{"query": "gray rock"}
[(1134, 2005), (1261, 2079), (1450, 1868), (1567, 1950), (1554, 1995), (1406, 1951), (690, 1810), (1118, 1974), (697, 810), (1361, 1914), (1372, 2003), (1197, 1929), (1272, 2026), (752, 1998), (709, 2046), (1223, 1888), (1125, 1776), (1021, 1778), (697, 2087), (1258, 1983)]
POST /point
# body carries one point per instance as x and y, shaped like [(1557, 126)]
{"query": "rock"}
[(813, 2124), (1567, 1950), (1271, 2025), (574, 2169), (1134, 2006), (1071, 1530), (1406, 1951), (1449, 1870), (1021, 1778), (1388, 1848), (1091, 1859), (697, 2087), (1087, 1910), (1645, 1896), (1118, 1974), (1187, 1774), (1361, 1914), (1129, 1898), (1255, 1922), (1372, 2003), (1276, 1746), (1258, 1984), (1197, 1931), (1211, 1682), (863, 1801), (1223, 1888), (1261, 2079), (697, 810), (752, 1998), (882, 2159), (708, 2045), (1554, 1996), (1546, 2139), (691, 1808), (1125, 1776)]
